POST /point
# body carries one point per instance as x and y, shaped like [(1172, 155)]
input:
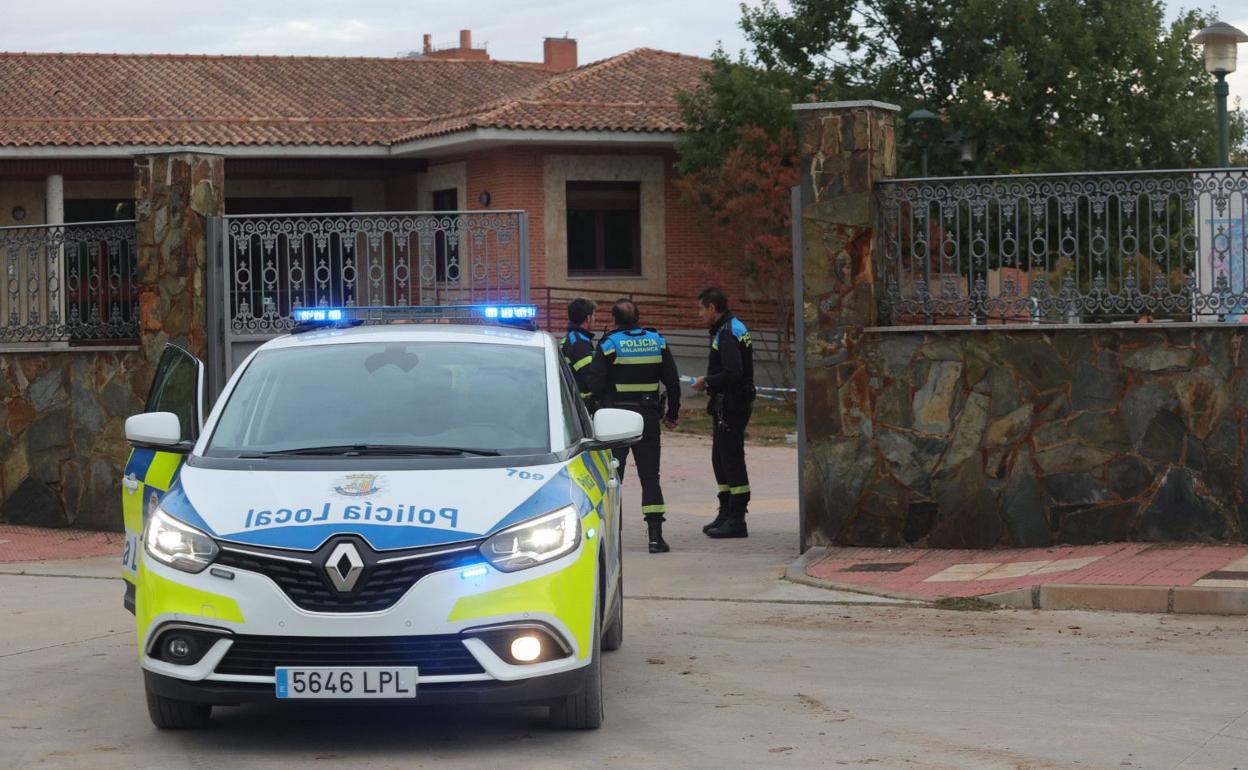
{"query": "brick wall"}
[(514, 178)]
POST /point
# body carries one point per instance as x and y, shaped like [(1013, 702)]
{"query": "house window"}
[(604, 228)]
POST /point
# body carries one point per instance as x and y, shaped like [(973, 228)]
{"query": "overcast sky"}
[(512, 29)]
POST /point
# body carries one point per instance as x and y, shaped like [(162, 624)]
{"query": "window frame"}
[(575, 192)]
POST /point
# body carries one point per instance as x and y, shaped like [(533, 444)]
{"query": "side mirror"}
[(617, 428), (156, 430)]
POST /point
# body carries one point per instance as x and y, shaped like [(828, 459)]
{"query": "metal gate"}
[(263, 267)]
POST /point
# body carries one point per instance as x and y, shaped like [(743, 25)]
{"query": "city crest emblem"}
[(358, 485)]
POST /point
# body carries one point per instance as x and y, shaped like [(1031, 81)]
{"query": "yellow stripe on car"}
[(157, 596), (567, 594)]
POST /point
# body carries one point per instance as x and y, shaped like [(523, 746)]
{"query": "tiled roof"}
[(106, 99)]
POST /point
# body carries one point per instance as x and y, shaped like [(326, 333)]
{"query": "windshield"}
[(419, 398)]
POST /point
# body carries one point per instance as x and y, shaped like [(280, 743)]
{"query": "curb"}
[(796, 573), (1187, 600), (1179, 600)]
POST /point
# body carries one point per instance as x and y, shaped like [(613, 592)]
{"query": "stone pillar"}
[(846, 147), (174, 194)]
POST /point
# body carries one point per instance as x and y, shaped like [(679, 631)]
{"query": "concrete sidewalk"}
[(1141, 577)]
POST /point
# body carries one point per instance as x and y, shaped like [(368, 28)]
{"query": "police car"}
[(414, 511)]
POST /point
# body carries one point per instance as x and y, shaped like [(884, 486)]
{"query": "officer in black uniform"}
[(577, 346), (729, 382), (630, 366)]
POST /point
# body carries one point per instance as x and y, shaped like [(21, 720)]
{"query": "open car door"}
[(178, 387)]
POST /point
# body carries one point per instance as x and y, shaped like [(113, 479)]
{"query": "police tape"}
[(688, 380)]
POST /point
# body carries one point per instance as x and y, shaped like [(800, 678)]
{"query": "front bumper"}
[(535, 690), (250, 608)]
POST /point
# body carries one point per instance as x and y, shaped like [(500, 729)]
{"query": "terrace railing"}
[(68, 284), (1065, 248)]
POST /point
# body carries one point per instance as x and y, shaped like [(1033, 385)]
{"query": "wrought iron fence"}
[(72, 283), (1065, 248), (275, 264)]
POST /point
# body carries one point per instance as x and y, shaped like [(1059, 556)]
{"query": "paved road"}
[(724, 665)]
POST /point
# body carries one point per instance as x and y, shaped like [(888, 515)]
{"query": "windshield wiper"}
[(355, 450)]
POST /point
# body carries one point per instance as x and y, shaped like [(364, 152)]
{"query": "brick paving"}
[(36, 544), (933, 572)]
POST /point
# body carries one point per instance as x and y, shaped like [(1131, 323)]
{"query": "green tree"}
[(1039, 85)]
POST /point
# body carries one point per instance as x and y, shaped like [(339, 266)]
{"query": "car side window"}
[(174, 390), (572, 406)]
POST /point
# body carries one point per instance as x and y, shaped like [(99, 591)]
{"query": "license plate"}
[(346, 682)]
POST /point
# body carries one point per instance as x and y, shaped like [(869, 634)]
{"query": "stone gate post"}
[(174, 194), (846, 147)]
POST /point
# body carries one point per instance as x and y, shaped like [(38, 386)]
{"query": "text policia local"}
[(329, 513)]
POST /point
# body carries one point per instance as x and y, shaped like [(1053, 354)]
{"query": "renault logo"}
[(344, 566)]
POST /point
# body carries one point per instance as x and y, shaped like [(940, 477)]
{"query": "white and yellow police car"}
[(407, 511)]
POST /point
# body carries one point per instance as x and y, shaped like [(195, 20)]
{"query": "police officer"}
[(729, 382), (577, 345), (630, 366)]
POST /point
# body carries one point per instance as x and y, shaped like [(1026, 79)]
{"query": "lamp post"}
[(920, 119), (966, 148), (1221, 44)]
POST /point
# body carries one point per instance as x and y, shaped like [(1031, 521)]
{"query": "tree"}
[(1038, 85)]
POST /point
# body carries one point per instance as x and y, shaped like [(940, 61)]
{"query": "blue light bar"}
[(510, 312), (306, 315), (307, 318), (474, 572)]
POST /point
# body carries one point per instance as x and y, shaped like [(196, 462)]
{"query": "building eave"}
[(434, 146), (75, 152), (482, 138)]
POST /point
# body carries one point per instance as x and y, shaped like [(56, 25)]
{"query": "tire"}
[(582, 710), (613, 638), (169, 714)]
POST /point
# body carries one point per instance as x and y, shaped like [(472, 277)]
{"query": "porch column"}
[(54, 200), (846, 147), (174, 194)]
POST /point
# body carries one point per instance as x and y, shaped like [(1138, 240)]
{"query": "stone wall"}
[(63, 410), (986, 437), (63, 448)]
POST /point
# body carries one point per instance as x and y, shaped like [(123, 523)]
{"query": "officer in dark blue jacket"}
[(630, 366), (577, 345), (729, 382)]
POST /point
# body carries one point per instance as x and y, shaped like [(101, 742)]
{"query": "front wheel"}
[(582, 710), (170, 714)]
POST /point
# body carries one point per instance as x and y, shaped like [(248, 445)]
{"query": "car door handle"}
[(131, 483)]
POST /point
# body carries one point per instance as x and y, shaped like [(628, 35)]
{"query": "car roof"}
[(413, 332)]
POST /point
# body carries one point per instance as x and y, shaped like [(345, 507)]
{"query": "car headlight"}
[(178, 545), (534, 542)]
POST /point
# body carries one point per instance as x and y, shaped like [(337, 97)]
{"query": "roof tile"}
[(106, 99)]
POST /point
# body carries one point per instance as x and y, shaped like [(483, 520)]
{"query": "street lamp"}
[(920, 118), (966, 149), (1221, 42)]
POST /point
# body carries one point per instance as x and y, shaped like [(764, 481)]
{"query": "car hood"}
[(390, 509)]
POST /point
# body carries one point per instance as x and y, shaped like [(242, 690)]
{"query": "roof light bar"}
[(308, 318)]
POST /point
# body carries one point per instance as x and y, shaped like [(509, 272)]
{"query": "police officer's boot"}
[(721, 515), (734, 523), (655, 529)]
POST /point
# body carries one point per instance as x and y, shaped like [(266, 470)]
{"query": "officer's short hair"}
[(713, 295), (625, 313), (580, 308)]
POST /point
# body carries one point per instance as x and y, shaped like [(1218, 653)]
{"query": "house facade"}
[(163, 148), (588, 151)]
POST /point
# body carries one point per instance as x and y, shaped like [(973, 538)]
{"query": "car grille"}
[(434, 655), (380, 584)]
